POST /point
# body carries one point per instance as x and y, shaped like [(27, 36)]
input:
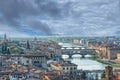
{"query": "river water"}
[(85, 63)]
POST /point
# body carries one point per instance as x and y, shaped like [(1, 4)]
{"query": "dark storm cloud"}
[(67, 17), (13, 10), (48, 7), (39, 26)]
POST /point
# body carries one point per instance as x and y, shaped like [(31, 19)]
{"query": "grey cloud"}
[(38, 25), (13, 10), (49, 7), (74, 17)]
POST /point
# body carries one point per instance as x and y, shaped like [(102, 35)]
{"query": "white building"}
[(64, 67)]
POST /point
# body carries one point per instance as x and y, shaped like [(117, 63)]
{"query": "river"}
[(84, 63)]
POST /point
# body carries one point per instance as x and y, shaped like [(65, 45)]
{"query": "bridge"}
[(77, 50)]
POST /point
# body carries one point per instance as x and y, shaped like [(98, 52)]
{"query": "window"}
[(18, 62), (67, 68), (75, 68), (63, 68), (27, 61), (36, 61)]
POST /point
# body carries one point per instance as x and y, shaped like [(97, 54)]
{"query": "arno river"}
[(87, 64), (84, 63)]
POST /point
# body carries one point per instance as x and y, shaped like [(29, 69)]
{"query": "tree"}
[(16, 50), (28, 45)]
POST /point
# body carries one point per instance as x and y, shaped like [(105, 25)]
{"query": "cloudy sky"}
[(21, 18)]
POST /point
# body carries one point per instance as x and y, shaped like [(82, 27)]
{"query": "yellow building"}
[(112, 53), (118, 58)]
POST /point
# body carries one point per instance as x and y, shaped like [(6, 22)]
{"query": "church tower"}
[(28, 45), (4, 44), (5, 38)]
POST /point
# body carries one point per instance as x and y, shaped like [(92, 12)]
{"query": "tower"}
[(28, 45), (108, 72), (5, 38), (35, 39), (4, 44)]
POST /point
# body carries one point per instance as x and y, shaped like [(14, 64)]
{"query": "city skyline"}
[(23, 18)]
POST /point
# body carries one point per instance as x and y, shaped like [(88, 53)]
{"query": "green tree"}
[(16, 50)]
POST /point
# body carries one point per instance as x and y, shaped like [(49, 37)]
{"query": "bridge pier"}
[(83, 56), (70, 56)]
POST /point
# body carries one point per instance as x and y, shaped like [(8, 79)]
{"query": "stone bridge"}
[(77, 50)]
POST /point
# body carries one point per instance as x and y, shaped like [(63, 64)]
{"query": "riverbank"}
[(105, 62), (108, 63)]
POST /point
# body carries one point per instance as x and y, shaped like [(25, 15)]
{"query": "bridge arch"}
[(79, 55), (87, 55), (65, 56), (71, 55), (76, 55)]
